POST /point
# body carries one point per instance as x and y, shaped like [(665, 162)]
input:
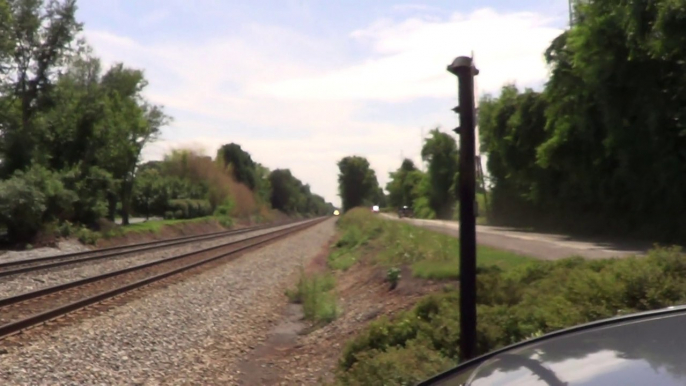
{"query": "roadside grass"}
[(109, 230), (517, 298), (156, 226), (430, 255), (316, 293)]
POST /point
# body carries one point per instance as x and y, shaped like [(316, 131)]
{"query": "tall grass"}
[(316, 293), (431, 255)]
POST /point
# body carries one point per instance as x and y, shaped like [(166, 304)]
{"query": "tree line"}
[(604, 141), (72, 133), (600, 148), (432, 194), (186, 184)]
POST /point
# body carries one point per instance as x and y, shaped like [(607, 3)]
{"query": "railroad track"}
[(23, 311), (17, 267)]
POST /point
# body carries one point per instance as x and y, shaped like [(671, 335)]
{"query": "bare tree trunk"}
[(125, 202), (111, 206)]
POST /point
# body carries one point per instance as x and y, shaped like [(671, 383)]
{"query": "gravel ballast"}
[(63, 247), (189, 333), (15, 285)]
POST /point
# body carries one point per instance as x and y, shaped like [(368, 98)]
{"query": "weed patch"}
[(317, 296), (431, 255), (514, 304)]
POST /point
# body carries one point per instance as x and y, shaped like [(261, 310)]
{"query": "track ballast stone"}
[(32, 281), (189, 333)]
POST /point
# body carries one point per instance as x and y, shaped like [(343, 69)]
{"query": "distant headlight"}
[(375, 208), (336, 212)]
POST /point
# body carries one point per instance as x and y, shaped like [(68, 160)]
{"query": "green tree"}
[(131, 123), (402, 184), (357, 183), (440, 152), (604, 141), (285, 191), (263, 187), (36, 37), (240, 162)]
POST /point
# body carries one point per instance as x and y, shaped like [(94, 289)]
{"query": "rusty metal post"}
[(463, 68)]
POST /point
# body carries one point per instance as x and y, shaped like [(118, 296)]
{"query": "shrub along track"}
[(29, 309), (17, 267)]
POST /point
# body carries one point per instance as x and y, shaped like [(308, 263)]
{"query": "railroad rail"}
[(16, 267), (18, 313)]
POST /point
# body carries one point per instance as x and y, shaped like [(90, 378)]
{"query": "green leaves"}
[(357, 183), (603, 140), (440, 151)]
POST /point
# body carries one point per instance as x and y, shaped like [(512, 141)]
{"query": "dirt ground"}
[(298, 354)]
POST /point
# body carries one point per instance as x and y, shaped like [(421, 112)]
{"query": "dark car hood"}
[(645, 349)]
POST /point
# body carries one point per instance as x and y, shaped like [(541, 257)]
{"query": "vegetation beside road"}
[(601, 145), (518, 298), (430, 255)]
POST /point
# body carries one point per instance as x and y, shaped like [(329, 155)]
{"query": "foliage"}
[(315, 293), (517, 303), (291, 196), (190, 208), (430, 255), (36, 38), (357, 183), (21, 208), (393, 276), (604, 141), (241, 164), (402, 186), (88, 236), (441, 154)]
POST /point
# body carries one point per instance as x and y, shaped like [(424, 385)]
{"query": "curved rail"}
[(29, 303)]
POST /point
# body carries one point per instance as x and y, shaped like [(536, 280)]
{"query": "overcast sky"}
[(302, 83)]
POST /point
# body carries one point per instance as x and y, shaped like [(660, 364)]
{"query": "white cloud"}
[(410, 58), (294, 102)]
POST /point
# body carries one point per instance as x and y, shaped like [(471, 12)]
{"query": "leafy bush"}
[(393, 276), (22, 207), (65, 229), (516, 304), (168, 215), (398, 365), (225, 221), (88, 236), (225, 209), (186, 209)]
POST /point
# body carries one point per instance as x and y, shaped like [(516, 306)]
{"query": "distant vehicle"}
[(405, 211), (336, 212), (375, 209), (636, 349)]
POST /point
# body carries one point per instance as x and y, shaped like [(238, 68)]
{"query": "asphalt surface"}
[(540, 245)]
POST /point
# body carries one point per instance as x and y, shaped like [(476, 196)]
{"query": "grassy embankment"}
[(391, 245), (518, 298)]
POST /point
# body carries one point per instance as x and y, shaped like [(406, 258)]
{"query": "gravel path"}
[(15, 285), (189, 333)]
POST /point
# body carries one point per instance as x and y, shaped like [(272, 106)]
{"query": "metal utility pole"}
[(463, 68)]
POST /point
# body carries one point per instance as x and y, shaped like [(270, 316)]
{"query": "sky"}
[(300, 84)]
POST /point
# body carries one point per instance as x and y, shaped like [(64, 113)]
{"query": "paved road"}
[(540, 245)]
